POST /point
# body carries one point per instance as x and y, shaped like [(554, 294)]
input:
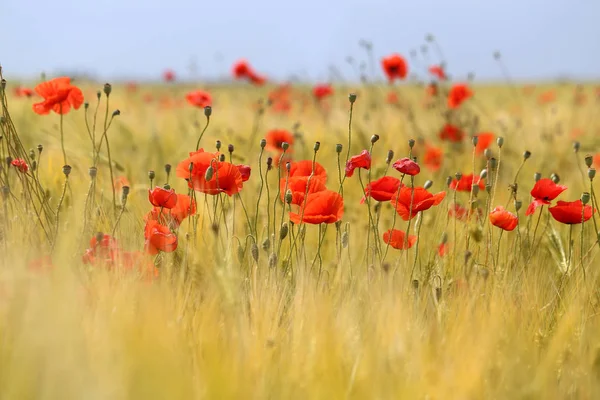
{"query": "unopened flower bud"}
[(263, 143), (116, 113), (390, 156), (427, 184), (283, 231), (338, 148), (191, 167), (107, 89), (209, 173), (317, 146), (66, 170), (218, 145), (500, 141), (526, 154), (518, 205), (588, 160), (537, 176), (483, 174), (352, 97), (592, 173), (345, 239), (585, 197), (288, 196), (207, 111), (98, 94), (230, 148), (555, 178), (254, 252), (285, 146)]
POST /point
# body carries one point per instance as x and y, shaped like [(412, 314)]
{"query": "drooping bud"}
[(428, 184), (116, 113)]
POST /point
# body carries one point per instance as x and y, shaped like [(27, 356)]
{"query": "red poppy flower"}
[(121, 181), (20, 165), (451, 133), (484, 141), (169, 75), (200, 159), (320, 207), (257, 79), (199, 98), (226, 178), (438, 72), (443, 249), (543, 192), (547, 97), (59, 96), (276, 137), (245, 171), (459, 212), (103, 249), (407, 166), (298, 184), (159, 238), (394, 67), (131, 87), (305, 168), (504, 219), (173, 217), (571, 212), (458, 94), (160, 197), (136, 261), (363, 160), (21, 91), (397, 239), (596, 160), (241, 69), (392, 98), (433, 158), (322, 91), (383, 189), (466, 181), (421, 200)]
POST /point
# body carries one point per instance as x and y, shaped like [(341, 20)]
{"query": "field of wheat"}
[(376, 241)]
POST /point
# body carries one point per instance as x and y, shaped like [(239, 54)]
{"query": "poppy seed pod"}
[(411, 143), (352, 97), (526, 154), (500, 141), (93, 171), (374, 139), (40, 148), (588, 160), (317, 146), (576, 146), (166, 186), (458, 176), (218, 145), (555, 178), (269, 163), (390, 156), (66, 170), (263, 143), (585, 197), (428, 184), (288, 196), (537, 176), (338, 148), (475, 140), (288, 166), (107, 89), (592, 173), (207, 111), (209, 173), (493, 164), (230, 148), (32, 154), (221, 157), (285, 146), (487, 153), (483, 174), (151, 175), (168, 168)]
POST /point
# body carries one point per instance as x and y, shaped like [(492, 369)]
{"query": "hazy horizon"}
[(139, 39)]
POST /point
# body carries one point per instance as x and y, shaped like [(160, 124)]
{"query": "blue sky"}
[(140, 38)]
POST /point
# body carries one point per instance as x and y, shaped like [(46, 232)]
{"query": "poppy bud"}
[(218, 145), (526, 154), (269, 163), (483, 174), (317, 146), (168, 168), (124, 194), (116, 113), (591, 173), (427, 184), (352, 98), (288, 196), (518, 204), (207, 111), (66, 170), (273, 260), (263, 143), (555, 178), (588, 160), (390, 155), (345, 239), (40, 148), (98, 94), (230, 148), (338, 148), (5, 192), (487, 153), (209, 173), (448, 180), (151, 175), (86, 105), (222, 157), (254, 252), (475, 140), (288, 166), (374, 139), (576, 146), (585, 197), (107, 89), (537, 176), (285, 146), (458, 176), (166, 186), (93, 171), (493, 163), (283, 231), (240, 254), (411, 143), (500, 141), (266, 244)]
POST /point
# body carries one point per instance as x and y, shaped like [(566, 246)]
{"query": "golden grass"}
[(214, 327)]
